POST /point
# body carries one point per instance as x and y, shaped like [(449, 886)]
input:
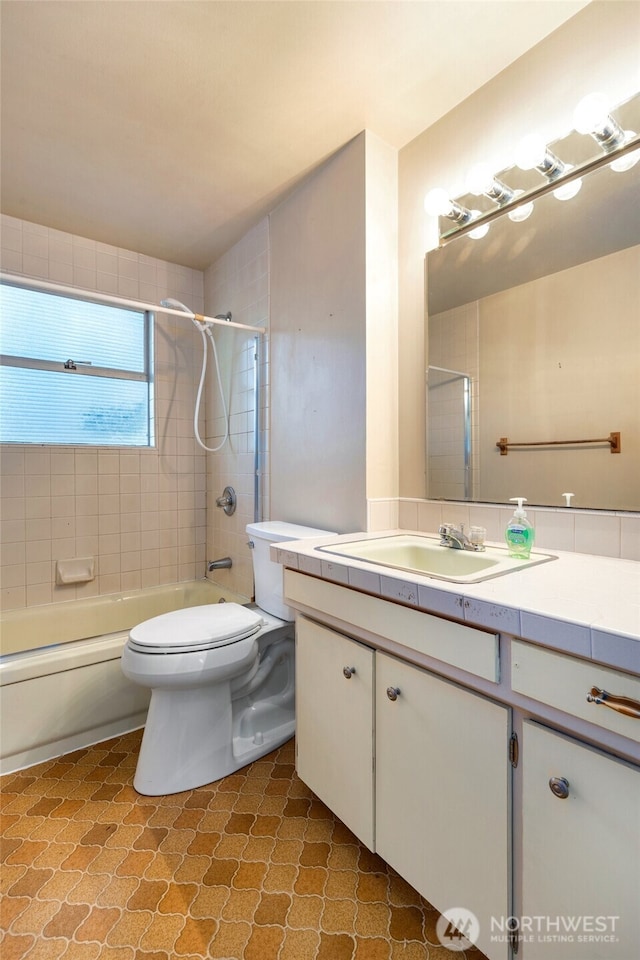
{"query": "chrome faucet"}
[(456, 538)]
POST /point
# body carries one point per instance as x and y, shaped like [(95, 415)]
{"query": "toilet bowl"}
[(221, 679)]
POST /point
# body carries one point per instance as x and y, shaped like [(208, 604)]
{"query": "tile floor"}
[(253, 867)]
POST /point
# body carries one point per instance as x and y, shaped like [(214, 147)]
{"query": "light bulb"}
[(437, 202), (480, 179), (479, 232), (592, 116), (530, 152), (591, 112), (522, 212), (568, 190), (630, 159)]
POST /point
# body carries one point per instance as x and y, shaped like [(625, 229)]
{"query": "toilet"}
[(221, 678)]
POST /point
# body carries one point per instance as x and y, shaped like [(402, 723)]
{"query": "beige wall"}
[(140, 512), (239, 282), (381, 223), (572, 373), (318, 343), (597, 49), (333, 340)]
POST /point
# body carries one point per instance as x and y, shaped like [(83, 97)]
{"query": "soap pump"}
[(519, 533)]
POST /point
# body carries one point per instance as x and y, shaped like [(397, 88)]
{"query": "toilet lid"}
[(196, 628)]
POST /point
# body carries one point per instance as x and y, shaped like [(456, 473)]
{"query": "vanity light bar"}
[(592, 116), (531, 195)]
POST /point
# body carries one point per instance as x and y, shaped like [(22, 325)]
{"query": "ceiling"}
[(170, 127)]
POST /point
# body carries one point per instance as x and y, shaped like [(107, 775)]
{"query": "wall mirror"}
[(533, 332)]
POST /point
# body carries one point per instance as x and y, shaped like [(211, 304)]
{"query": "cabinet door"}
[(334, 723), (443, 792), (581, 852)]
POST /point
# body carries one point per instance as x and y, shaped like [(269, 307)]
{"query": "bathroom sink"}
[(424, 555)]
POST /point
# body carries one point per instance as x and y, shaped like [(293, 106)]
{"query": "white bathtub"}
[(61, 686)]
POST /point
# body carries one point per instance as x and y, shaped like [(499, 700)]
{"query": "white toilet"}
[(221, 678)]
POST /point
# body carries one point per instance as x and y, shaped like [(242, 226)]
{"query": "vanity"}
[(482, 737)]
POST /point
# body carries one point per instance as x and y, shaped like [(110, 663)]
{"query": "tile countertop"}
[(581, 604)]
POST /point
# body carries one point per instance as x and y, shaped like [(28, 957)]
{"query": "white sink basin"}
[(424, 555)]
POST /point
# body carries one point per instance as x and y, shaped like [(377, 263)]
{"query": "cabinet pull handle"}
[(348, 672), (393, 693), (625, 705), (559, 787)]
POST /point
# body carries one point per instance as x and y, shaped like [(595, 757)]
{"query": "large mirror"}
[(533, 385)]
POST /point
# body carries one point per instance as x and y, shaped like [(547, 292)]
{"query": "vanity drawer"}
[(475, 651), (565, 682)]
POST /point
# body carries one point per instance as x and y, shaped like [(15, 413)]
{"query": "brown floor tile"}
[(32, 920), (300, 945), (97, 924), (221, 872), (240, 905), (264, 942), (341, 884), (195, 937), (82, 951), (178, 898), (280, 878), (305, 912), (253, 867), (336, 946), (66, 921), (417, 951), (272, 909), (230, 940), (406, 923), (162, 933), (372, 920), (147, 895), (372, 948), (250, 876), (338, 916)]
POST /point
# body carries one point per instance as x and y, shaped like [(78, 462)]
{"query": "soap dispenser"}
[(519, 533)]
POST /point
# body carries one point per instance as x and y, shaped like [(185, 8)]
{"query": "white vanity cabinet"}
[(581, 850), (334, 723), (414, 755), (431, 740), (442, 791)]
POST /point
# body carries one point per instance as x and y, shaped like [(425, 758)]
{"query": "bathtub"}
[(61, 686)]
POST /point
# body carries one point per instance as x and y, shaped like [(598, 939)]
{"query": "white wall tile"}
[(93, 500)]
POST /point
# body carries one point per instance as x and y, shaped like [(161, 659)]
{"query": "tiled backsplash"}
[(140, 512), (606, 534)]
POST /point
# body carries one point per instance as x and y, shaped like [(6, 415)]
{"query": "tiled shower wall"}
[(239, 282), (140, 512)]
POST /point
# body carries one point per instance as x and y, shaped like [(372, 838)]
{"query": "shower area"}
[(449, 434)]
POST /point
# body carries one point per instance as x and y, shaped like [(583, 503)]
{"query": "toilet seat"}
[(195, 628)]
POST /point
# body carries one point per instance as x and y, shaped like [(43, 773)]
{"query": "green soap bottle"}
[(519, 533)]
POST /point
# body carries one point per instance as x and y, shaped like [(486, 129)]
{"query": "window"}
[(73, 371)]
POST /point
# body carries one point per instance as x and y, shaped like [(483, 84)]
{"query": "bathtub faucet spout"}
[(223, 564)]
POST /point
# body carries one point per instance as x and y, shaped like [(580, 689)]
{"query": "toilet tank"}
[(268, 576)]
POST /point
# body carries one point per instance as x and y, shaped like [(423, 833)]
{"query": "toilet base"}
[(197, 735)]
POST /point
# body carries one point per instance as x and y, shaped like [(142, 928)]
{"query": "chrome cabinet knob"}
[(559, 787), (393, 693), (348, 672)]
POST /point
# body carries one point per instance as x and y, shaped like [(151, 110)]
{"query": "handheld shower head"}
[(176, 304)]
